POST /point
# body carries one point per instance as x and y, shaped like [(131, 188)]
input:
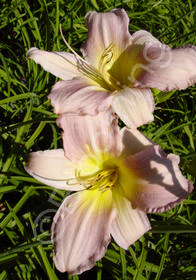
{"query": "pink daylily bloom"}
[(119, 176), (118, 70)]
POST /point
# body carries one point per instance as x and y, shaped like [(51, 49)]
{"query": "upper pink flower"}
[(119, 175), (118, 70)]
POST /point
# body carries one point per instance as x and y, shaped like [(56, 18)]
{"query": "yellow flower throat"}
[(99, 75), (104, 172), (102, 180)]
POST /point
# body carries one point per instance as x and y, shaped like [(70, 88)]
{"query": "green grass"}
[(27, 123)]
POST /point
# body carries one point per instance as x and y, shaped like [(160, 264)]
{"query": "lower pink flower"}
[(119, 176)]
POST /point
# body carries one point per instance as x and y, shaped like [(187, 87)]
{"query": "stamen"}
[(92, 73), (66, 59), (89, 70), (107, 53), (102, 179), (71, 182), (88, 178), (106, 57)]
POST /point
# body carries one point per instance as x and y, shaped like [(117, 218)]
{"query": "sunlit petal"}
[(167, 69), (130, 224), (84, 134), (134, 106), (77, 97), (81, 230), (142, 36), (162, 185), (105, 29), (53, 169), (60, 64)]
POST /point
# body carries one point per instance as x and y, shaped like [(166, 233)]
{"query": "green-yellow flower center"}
[(103, 172), (100, 74), (116, 69), (102, 179)]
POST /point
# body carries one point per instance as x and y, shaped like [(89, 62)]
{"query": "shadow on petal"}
[(162, 184)]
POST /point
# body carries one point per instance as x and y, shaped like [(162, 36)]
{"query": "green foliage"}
[(27, 123)]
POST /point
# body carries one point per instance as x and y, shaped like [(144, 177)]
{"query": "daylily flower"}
[(118, 70), (118, 175)]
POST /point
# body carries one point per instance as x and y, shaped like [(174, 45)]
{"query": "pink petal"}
[(131, 62), (60, 64), (130, 224), (99, 133), (128, 65), (133, 141), (77, 97), (81, 230), (167, 69), (142, 36), (53, 169), (162, 184), (134, 106), (105, 29)]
